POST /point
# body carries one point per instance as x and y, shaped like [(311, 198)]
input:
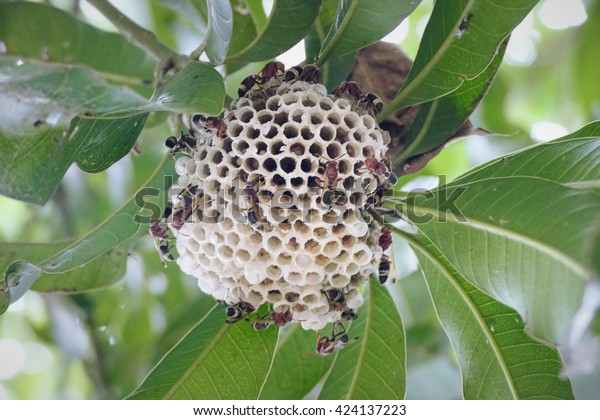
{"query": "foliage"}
[(506, 251)]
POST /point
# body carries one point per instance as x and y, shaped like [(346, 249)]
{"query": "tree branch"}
[(133, 32)]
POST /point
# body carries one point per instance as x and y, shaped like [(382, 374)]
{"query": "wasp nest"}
[(270, 202)]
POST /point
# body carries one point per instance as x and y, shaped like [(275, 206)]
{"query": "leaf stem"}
[(195, 55), (133, 32)]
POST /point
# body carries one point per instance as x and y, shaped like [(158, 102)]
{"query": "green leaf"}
[(64, 114), (257, 11), (514, 237), (220, 25), (359, 23), (19, 277), (439, 119), (295, 358), (214, 360), (105, 140), (244, 30), (336, 70), (196, 88), (374, 367), (318, 31), (498, 360), (572, 160), (100, 273), (124, 227), (460, 40), (39, 101), (585, 58), (31, 30), (288, 23)]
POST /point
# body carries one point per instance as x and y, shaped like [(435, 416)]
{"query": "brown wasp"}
[(385, 265), (338, 340), (214, 124), (177, 144), (238, 311), (254, 214), (351, 89), (269, 71), (308, 73), (336, 299)]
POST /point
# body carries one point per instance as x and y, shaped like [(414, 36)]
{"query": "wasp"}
[(378, 167), (331, 171), (338, 340), (382, 171), (165, 253), (247, 84), (385, 239), (189, 201), (349, 315), (271, 70), (384, 268), (238, 311), (254, 214), (159, 232), (308, 73), (184, 141), (261, 323), (371, 101), (351, 89), (385, 265), (463, 27), (281, 318), (215, 124), (336, 299), (374, 103)]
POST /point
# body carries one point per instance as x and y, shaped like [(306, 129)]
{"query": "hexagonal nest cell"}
[(270, 202)]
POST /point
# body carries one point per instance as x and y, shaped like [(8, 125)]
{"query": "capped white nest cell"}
[(270, 204)]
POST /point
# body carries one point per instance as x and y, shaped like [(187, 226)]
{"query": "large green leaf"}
[(196, 88), (288, 23), (214, 360), (439, 119), (498, 360), (220, 25), (521, 240), (359, 23), (99, 273), (295, 358), (572, 160), (374, 367), (123, 228), (31, 30), (460, 40), (64, 114), (39, 103)]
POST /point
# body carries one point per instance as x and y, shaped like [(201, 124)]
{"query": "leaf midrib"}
[(340, 32), (199, 359), (426, 70), (363, 347), (117, 213), (556, 254), (472, 307)]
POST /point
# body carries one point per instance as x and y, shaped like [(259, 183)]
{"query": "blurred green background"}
[(102, 344)]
